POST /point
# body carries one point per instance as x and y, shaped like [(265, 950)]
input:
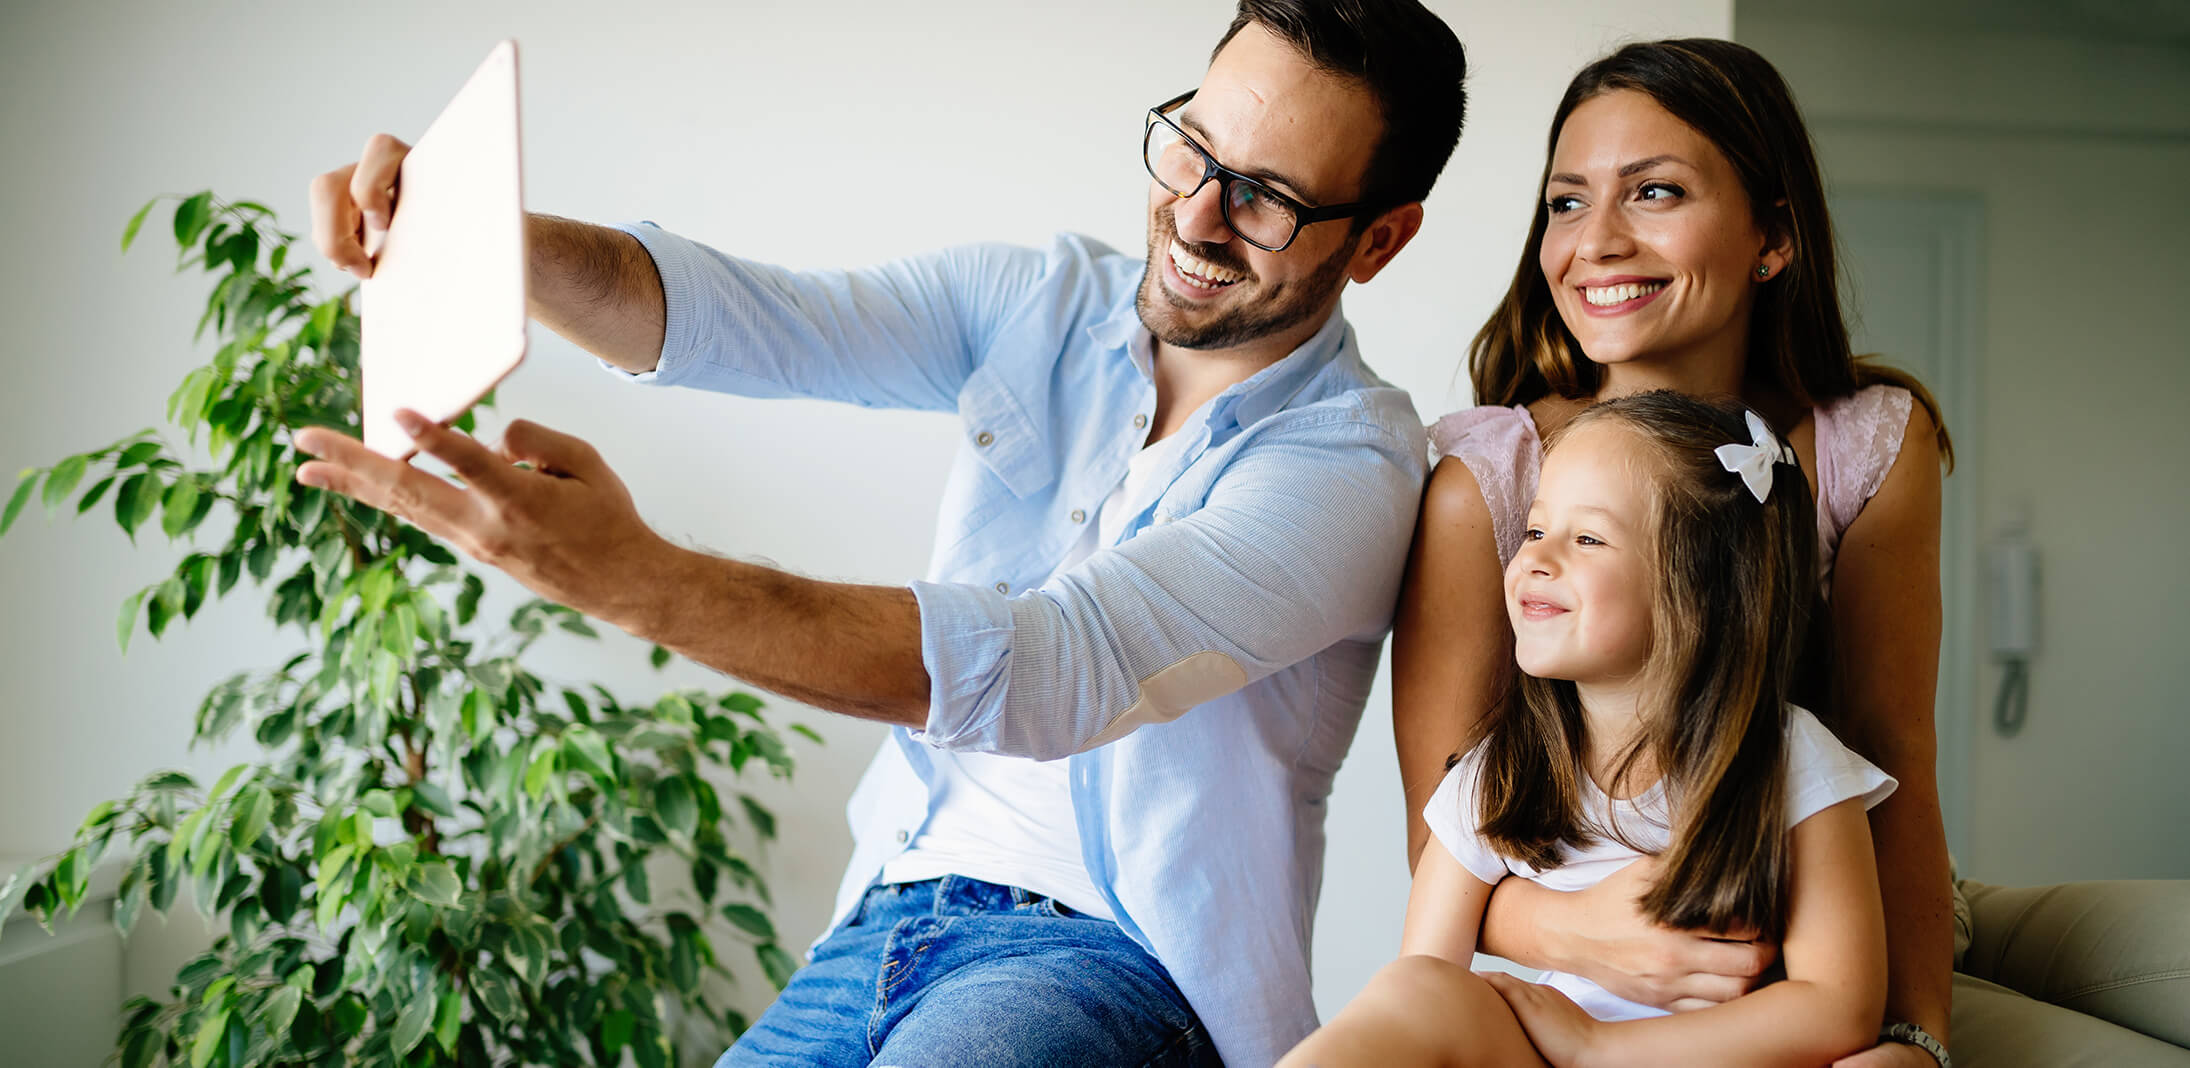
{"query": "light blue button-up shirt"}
[(1204, 673)]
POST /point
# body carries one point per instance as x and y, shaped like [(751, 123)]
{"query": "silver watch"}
[(1899, 1031)]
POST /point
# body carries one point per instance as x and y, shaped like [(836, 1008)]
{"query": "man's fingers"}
[(335, 222), (349, 468), (372, 184), (479, 467), (550, 450)]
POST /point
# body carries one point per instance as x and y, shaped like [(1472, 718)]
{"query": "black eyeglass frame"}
[(1303, 214)]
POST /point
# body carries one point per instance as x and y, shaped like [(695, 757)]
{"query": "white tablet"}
[(443, 316)]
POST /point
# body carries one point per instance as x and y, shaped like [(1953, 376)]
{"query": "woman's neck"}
[(1701, 372), (1612, 714)]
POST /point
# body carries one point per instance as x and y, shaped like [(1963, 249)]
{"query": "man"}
[(1165, 564)]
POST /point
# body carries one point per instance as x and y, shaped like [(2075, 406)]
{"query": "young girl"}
[(1659, 602)]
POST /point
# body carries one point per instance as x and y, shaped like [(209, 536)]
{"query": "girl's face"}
[(1651, 248), (1579, 590)]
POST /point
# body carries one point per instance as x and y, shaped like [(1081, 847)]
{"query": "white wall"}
[(698, 117), (2074, 146)]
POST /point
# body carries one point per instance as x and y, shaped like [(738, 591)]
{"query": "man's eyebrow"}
[(1263, 174), (1626, 171)]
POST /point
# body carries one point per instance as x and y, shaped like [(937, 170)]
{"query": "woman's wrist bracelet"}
[(1900, 1031)]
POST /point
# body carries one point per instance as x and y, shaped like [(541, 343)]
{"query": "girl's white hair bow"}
[(1753, 462)]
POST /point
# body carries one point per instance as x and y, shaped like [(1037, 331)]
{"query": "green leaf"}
[(437, 884), (496, 993), (16, 502), (541, 771), (659, 657), (129, 233), (588, 752), (91, 497), (136, 501), (127, 625), (432, 799), (257, 807), (467, 600), (684, 966), (448, 1018), (142, 1044), (750, 920), (190, 219), (635, 882), (180, 501), (764, 821), (280, 1010), (775, 962), (674, 804), (411, 1025), (212, 1029), (808, 733), (64, 478), (616, 1027)]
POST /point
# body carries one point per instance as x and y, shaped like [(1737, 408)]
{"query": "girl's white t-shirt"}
[(1821, 773)]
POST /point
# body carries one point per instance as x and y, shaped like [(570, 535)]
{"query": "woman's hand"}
[(1601, 935), (1888, 1055), (1558, 1028)]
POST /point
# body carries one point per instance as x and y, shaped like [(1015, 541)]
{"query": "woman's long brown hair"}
[(1734, 592), (1798, 342)]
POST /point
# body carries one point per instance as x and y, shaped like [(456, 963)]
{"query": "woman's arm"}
[(1828, 1006), (1452, 648), (1886, 622)]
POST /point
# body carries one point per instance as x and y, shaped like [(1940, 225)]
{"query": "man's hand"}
[(566, 528), (1558, 1028), (349, 202), (1610, 942)]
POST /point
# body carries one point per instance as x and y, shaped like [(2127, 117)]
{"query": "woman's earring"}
[(1763, 272)]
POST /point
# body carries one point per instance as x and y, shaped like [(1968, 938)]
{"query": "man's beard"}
[(1279, 311)]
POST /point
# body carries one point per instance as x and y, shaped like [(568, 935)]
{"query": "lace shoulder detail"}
[(1501, 449), (1858, 439)]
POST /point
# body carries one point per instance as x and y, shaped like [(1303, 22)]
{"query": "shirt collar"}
[(1256, 397)]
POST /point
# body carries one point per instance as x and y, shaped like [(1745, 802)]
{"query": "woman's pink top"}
[(1858, 437)]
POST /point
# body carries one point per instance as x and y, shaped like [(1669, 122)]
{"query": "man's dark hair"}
[(1411, 63)]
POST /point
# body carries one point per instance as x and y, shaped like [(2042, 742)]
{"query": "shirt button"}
[(1003, 587), (984, 439), (904, 837), (1139, 421), (1079, 516)]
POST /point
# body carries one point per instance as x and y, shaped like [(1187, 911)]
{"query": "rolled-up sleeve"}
[(905, 334), (1299, 545)]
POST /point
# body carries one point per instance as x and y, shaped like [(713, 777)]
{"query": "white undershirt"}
[(1009, 820)]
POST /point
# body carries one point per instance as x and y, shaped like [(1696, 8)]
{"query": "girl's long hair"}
[(1798, 342), (1734, 591)]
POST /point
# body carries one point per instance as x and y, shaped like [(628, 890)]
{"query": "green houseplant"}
[(440, 856)]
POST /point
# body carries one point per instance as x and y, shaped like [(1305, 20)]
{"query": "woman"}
[(1682, 243)]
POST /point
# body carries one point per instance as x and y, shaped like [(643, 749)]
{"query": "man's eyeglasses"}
[(1260, 215)]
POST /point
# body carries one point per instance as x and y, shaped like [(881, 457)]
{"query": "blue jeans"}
[(957, 971)]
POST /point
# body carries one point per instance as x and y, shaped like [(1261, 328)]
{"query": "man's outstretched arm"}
[(592, 284), (568, 530)]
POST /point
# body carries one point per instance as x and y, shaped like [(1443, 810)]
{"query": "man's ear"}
[(1383, 239)]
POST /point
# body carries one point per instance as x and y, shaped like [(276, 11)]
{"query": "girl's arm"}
[(1886, 622), (1452, 648), (1828, 1006), (1444, 909)]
